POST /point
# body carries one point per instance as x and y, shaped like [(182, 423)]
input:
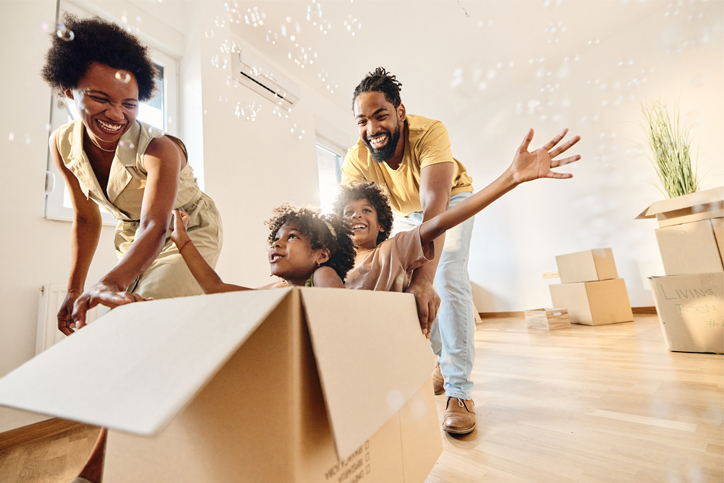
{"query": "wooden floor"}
[(588, 404), (585, 404)]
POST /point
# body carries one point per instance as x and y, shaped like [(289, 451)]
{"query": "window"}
[(159, 112), (329, 162)]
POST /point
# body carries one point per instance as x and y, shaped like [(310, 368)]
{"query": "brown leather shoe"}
[(438, 382), (459, 416)]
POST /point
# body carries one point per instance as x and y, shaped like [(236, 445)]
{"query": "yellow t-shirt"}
[(426, 143)]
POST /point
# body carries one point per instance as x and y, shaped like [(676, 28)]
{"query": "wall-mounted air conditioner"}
[(263, 79)]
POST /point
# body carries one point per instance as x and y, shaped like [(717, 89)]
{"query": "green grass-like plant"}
[(670, 145)]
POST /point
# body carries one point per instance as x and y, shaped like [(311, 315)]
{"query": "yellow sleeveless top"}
[(127, 179)]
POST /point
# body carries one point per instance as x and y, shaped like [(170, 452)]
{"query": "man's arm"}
[(435, 186)]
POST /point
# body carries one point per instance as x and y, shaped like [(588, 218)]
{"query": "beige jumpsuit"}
[(168, 276)]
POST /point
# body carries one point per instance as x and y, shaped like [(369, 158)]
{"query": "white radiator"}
[(51, 298)]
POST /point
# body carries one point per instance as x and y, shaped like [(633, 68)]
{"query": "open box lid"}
[(134, 370), (701, 205), (370, 364), (137, 367)]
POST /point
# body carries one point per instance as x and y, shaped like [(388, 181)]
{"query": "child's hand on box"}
[(179, 235)]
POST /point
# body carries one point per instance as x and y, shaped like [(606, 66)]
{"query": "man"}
[(411, 157)]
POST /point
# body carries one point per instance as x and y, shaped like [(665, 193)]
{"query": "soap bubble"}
[(11, 136), (395, 400), (64, 33), (44, 26), (27, 139), (209, 34), (48, 127), (123, 77)]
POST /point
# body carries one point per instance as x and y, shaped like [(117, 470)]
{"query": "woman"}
[(136, 172)]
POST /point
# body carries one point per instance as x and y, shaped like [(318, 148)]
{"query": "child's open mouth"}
[(358, 226), (274, 257)]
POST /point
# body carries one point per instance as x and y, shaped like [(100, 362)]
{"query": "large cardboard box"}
[(702, 205), (593, 303), (293, 385), (587, 266), (691, 311), (691, 248)]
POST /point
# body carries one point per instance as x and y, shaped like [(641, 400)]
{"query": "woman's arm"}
[(85, 234), (526, 167), (163, 161), (206, 276)]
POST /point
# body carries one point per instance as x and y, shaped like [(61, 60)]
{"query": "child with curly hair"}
[(386, 264), (306, 249)]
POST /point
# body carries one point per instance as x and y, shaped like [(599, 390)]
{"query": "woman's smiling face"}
[(107, 100)]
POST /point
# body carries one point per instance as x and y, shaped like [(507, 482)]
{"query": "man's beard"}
[(386, 152)]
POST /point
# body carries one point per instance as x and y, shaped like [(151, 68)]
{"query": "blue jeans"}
[(453, 332)]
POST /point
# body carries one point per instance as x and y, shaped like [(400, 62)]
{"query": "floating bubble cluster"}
[(299, 132), (315, 16), (327, 82), (554, 30), (352, 24), (254, 16), (248, 112)]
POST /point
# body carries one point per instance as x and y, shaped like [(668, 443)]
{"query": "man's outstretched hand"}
[(528, 166)]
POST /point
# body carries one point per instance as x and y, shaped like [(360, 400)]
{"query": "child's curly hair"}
[(380, 81), (377, 197), (315, 226), (96, 40)]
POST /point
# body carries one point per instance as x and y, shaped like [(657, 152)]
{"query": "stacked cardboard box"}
[(591, 289), (690, 298), (293, 385)]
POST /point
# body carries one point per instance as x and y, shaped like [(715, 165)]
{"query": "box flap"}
[(135, 368), (368, 371), (712, 196)]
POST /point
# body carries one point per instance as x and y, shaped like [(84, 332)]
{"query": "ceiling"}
[(452, 56)]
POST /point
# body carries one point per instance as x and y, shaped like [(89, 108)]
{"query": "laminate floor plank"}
[(589, 404)]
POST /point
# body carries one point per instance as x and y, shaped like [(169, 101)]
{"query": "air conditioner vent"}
[(258, 76)]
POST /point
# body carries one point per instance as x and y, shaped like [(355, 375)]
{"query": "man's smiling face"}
[(379, 123)]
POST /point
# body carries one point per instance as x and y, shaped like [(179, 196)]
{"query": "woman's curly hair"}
[(313, 225), (96, 40), (380, 81), (377, 197)]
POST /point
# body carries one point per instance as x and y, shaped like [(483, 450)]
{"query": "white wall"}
[(673, 58)]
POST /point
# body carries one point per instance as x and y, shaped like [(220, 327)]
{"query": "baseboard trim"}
[(644, 310), (500, 315), (506, 315), (35, 431)]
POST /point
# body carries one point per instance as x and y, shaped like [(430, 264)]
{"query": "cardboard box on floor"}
[(547, 319), (702, 205), (587, 266), (696, 247), (593, 303), (691, 311), (290, 385)]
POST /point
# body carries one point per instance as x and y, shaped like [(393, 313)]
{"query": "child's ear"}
[(322, 256), (68, 93)]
